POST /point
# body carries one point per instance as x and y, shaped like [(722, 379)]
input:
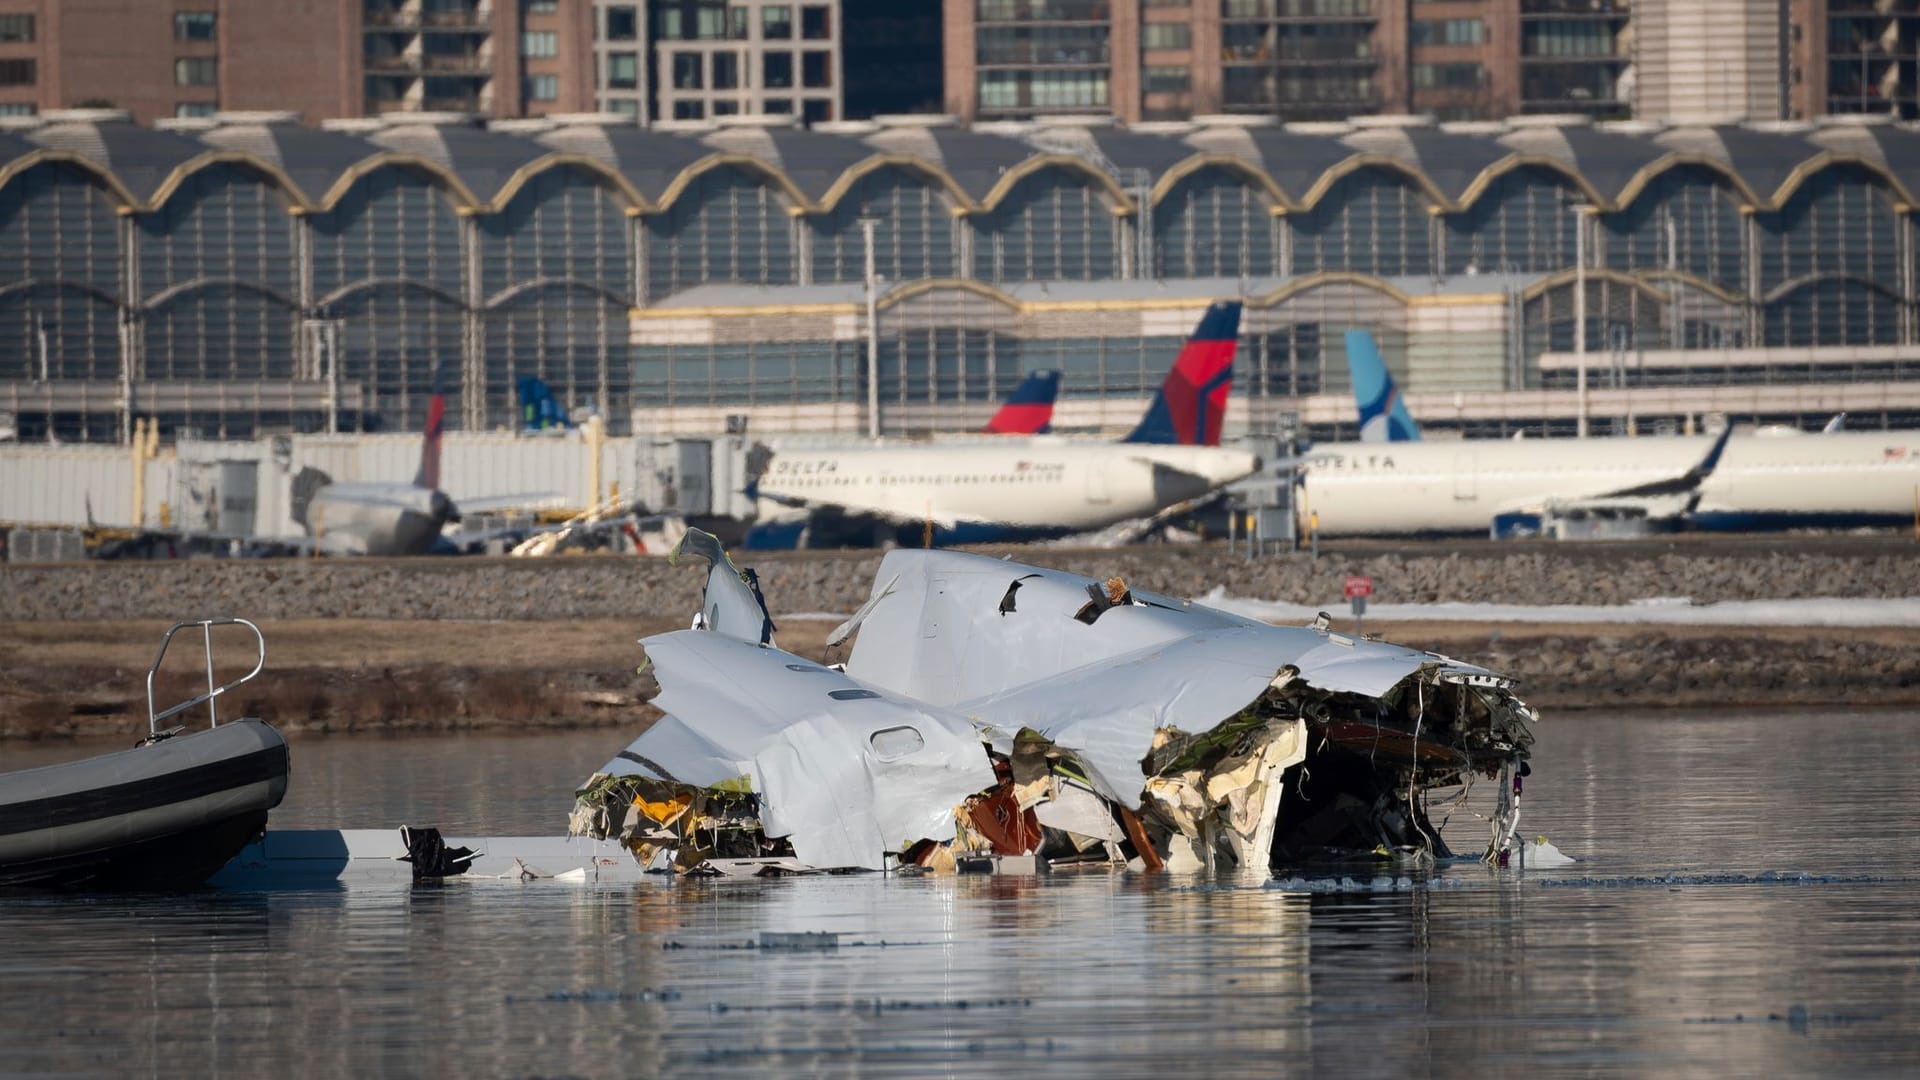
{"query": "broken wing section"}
[(841, 772)]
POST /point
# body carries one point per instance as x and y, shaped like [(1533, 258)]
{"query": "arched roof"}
[(1294, 165), (139, 159), (1294, 162)]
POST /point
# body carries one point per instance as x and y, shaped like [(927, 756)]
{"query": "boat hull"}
[(163, 816)]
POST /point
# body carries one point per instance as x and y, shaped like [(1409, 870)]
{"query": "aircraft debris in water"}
[(997, 715)]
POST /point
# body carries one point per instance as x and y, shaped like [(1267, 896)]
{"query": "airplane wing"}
[(1686, 483)]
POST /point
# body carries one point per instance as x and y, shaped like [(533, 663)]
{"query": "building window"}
[(776, 22), (1448, 32), (1167, 35), (1168, 80), (195, 71), (726, 108), (689, 110), (726, 71), (624, 107), (776, 70), (1064, 89), (542, 7), (783, 106), (816, 70), (816, 110), (623, 70), (543, 88), (686, 71), (16, 108), (669, 25), (816, 23), (16, 72), (539, 43), (739, 23), (16, 29), (194, 26), (1448, 76), (195, 108), (623, 23)]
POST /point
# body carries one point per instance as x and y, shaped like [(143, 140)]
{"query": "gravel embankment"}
[(835, 582)]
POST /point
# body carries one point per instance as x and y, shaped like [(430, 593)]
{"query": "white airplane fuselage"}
[(1005, 490), (1761, 481), (378, 519)]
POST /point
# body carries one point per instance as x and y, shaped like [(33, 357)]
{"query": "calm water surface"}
[(1667, 951)]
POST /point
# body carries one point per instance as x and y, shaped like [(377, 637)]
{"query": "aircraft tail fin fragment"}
[(1383, 412), (1192, 403), (1029, 409)]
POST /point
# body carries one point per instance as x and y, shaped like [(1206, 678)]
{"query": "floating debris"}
[(1068, 721)]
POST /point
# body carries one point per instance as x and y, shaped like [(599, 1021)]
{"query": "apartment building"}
[(323, 59)]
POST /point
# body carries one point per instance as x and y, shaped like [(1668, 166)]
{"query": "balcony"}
[(469, 22)]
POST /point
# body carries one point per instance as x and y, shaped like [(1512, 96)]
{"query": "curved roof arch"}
[(1641, 180), (1196, 164), (1118, 200), (274, 174), (565, 284), (1364, 161), (1828, 160), (1323, 278), (1512, 163), (860, 170), (174, 293), (20, 166), (1692, 281), (600, 170), (370, 285), (26, 285), (1617, 277), (443, 178), (900, 294), (1812, 281), (745, 162)]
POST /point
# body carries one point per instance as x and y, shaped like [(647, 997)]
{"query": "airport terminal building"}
[(245, 275)]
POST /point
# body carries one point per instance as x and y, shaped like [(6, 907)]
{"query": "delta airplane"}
[(1749, 482), (1024, 489), (378, 518)]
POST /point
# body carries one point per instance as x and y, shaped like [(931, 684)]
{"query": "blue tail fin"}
[(538, 410), (1029, 410), (1383, 412), (1192, 403)]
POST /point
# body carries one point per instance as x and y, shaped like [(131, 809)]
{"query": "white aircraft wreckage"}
[(992, 714)]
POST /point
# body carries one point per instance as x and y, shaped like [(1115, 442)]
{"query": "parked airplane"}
[(1383, 412), (1029, 409), (1019, 490), (378, 518)]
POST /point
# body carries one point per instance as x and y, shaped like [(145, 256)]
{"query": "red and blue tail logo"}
[(1192, 404), (429, 474), (1029, 410)]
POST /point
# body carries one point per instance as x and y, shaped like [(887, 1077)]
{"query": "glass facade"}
[(233, 278), (1042, 56)]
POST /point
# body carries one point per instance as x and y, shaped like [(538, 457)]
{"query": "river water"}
[(1685, 942)]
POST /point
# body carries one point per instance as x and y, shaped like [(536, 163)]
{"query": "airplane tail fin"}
[(429, 474), (538, 409), (1029, 409), (1192, 403), (1383, 412)]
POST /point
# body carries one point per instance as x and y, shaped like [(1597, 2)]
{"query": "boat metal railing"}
[(206, 629)]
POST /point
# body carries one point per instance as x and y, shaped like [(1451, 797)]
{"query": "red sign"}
[(1359, 586)]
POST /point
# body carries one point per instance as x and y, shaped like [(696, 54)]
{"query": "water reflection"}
[(1072, 973)]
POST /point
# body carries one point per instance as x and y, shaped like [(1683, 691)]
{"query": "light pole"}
[(868, 222), (1580, 314)]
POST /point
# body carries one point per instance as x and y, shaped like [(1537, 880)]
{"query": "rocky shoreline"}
[(445, 645), (590, 587)]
